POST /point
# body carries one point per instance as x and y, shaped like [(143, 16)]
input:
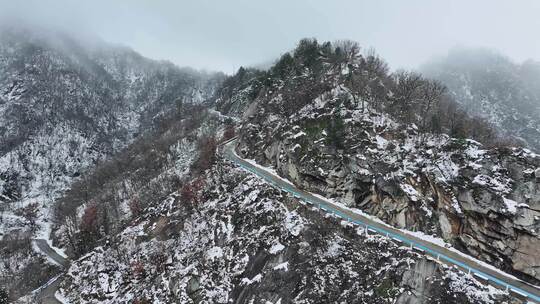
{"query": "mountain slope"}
[(166, 219), (491, 86), (65, 105), (377, 142), (245, 242)]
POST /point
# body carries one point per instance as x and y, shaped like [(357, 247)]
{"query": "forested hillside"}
[(493, 87), (396, 145), (67, 105)]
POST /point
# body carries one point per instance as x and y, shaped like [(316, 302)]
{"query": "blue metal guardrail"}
[(387, 233)]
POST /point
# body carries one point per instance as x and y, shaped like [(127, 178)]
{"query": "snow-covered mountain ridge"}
[(386, 144), (65, 106), (157, 217)]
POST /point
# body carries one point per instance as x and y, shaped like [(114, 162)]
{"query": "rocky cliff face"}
[(484, 201), (486, 206), (245, 242)]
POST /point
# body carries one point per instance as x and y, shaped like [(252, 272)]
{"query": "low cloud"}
[(223, 35)]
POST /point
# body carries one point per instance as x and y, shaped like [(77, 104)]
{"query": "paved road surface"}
[(46, 249), (46, 293), (444, 255), (519, 288)]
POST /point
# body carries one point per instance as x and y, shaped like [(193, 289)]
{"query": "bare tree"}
[(71, 230), (405, 99), (376, 74), (349, 49), (430, 93), (30, 213)]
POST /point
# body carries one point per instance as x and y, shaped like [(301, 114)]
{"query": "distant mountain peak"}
[(491, 86)]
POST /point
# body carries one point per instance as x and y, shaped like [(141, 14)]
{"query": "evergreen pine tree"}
[(336, 132), (3, 296)]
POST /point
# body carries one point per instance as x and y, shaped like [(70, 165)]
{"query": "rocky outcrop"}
[(246, 242), (496, 224), (420, 281), (483, 201)]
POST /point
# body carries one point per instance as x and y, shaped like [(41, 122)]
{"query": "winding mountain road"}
[(444, 255), (520, 289), (46, 294)]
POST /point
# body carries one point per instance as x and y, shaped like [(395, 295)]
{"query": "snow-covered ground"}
[(417, 234), (217, 246)]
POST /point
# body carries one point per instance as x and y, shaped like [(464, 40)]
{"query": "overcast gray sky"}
[(223, 35)]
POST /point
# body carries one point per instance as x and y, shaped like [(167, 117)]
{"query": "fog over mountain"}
[(226, 35), (491, 85), (280, 152)]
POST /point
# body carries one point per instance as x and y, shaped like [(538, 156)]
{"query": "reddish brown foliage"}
[(137, 269), (187, 193), (229, 132), (190, 191), (207, 154), (89, 218), (135, 207), (159, 259)]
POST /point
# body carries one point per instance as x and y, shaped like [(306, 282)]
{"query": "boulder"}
[(420, 280)]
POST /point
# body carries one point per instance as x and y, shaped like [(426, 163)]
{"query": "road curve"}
[(498, 279), (51, 253), (46, 294)]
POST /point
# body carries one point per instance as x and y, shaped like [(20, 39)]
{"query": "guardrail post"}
[(414, 245)]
